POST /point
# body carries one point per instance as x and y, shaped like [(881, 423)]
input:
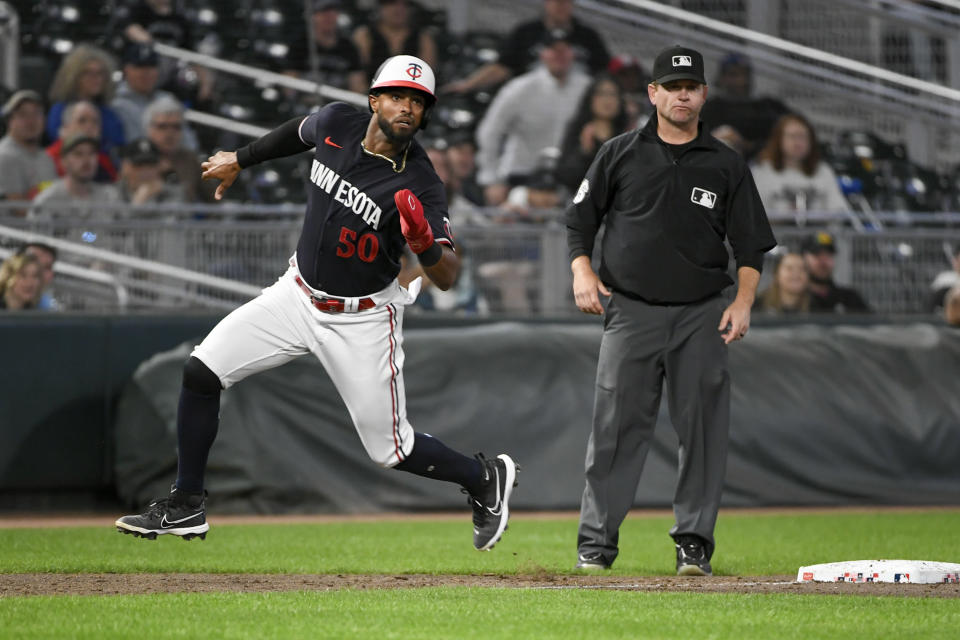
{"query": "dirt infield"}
[(32, 584)]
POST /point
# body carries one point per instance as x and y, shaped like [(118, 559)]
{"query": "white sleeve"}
[(495, 125)]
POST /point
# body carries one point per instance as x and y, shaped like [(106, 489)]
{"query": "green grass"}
[(477, 613), (747, 545)]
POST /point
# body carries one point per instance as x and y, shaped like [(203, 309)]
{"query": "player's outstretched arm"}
[(440, 263), (222, 166)]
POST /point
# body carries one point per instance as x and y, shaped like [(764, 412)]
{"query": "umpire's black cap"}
[(678, 63), (819, 242)]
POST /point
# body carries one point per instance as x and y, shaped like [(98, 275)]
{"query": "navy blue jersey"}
[(351, 243)]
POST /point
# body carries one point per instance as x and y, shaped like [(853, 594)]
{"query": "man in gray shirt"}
[(25, 167), (76, 191)]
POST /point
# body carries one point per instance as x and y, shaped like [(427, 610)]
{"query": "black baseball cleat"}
[(491, 509), (182, 514), (591, 562), (692, 557)]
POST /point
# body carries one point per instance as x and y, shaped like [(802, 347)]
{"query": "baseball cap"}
[(140, 151), (140, 54), (678, 63), (553, 36), (324, 5), (76, 140), (734, 59), (18, 98), (818, 243)]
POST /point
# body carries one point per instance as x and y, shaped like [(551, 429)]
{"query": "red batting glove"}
[(412, 223)]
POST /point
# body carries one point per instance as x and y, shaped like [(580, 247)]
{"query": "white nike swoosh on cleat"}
[(166, 524)]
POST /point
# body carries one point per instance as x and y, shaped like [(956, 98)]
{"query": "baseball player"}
[(372, 189)]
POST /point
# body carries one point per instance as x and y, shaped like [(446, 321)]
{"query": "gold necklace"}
[(403, 163)]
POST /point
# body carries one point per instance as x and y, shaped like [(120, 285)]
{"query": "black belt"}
[(334, 305)]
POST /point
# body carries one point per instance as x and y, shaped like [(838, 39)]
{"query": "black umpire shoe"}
[(181, 514), (591, 562), (692, 557), (491, 509)]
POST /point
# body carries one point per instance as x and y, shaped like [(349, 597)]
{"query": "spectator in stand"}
[(82, 117), (733, 114), (138, 89), (45, 256), (462, 154), (457, 205), (78, 156), (521, 49), (152, 21), (157, 20), (951, 307), (633, 79), (943, 283), (141, 176), (789, 173), (819, 256), (86, 74), (20, 283), (163, 121), (337, 58), (602, 114), (528, 115), (24, 167), (393, 32), (788, 292)]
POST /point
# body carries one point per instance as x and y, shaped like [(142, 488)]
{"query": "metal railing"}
[(219, 256)]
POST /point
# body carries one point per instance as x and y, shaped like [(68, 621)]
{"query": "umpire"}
[(668, 195)]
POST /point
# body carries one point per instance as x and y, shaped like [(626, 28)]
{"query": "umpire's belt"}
[(336, 305)]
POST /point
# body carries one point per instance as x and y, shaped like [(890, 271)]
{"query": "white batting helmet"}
[(405, 71)]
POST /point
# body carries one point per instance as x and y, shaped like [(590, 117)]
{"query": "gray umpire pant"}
[(642, 345)]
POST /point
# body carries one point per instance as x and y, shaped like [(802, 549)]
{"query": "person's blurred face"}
[(557, 58), (395, 13), (166, 131), (25, 123), (141, 79), (81, 163), (678, 102), (820, 265), (542, 198), (792, 275), (136, 174), (45, 261), (85, 119), (558, 12), (163, 7), (605, 102), (462, 159), (93, 80), (26, 284), (795, 142), (325, 22), (737, 81)]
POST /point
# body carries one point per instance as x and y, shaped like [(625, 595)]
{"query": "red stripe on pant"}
[(394, 400)]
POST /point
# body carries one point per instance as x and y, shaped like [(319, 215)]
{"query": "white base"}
[(900, 571)]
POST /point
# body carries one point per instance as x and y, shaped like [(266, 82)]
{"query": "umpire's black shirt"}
[(666, 217)]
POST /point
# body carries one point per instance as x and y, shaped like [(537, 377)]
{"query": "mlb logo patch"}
[(703, 197), (682, 61)]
